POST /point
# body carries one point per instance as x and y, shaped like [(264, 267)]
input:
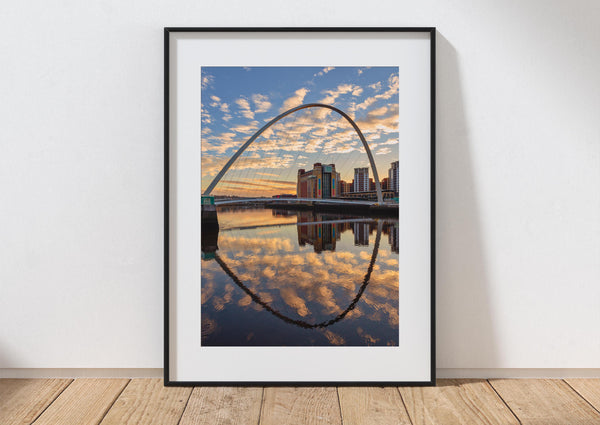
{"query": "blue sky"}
[(237, 101)]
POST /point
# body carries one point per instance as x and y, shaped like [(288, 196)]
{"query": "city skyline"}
[(237, 101), (323, 181)]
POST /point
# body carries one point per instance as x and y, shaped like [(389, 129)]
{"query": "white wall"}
[(81, 175)]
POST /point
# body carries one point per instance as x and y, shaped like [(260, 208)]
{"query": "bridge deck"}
[(300, 201)]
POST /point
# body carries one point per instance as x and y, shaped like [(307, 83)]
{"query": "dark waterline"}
[(300, 278)]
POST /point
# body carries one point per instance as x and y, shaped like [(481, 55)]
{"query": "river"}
[(300, 278)]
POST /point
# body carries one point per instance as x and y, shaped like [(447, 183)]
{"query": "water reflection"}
[(300, 278)]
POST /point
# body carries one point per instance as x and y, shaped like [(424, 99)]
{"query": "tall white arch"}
[(219, 176)]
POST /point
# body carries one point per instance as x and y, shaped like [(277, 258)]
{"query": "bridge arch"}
[(219, 176)]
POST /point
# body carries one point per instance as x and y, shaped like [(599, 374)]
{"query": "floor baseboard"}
[(518, 373), (481, 373), (82, 373)]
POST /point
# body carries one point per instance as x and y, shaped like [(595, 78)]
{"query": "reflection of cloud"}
[(370, 340), (208, 326), (333, 338), (315, 286), (265, 244), (292, 299), (268, 272), (244, 301)]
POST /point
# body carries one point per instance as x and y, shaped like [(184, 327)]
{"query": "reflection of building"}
[(321, 236), (361, 234), (393, 177), (361, 179), (321, 182)]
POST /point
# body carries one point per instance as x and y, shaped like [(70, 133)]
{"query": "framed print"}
[(299, 206)]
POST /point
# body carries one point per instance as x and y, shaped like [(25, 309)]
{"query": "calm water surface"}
[(298, 278)]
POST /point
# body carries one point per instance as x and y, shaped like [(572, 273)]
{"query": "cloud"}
[(378, 111), (245, 128), (366, 103), (324, 71), (376, 86), (393, 85), (261, 102), (387, 123), (206, 81), (260, 183), (221, 143), (332, 95), (215, 98), (245, 108), (205, 115), (295, 100), (383, 151)]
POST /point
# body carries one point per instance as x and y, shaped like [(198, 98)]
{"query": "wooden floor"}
[(146, 401)]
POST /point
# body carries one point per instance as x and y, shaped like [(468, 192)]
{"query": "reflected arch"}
[(301, 323), (221, 173)]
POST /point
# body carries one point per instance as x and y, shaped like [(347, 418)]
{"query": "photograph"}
[(300, 218)]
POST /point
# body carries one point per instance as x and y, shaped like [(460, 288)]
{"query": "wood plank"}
[(372, 406), (456, 401), (148, 402), (545, 401), (301, 405), (588, 388), (223, 406), (84, 402), (22, 400)]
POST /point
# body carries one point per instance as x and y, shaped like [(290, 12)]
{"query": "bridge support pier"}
[(209, 227)]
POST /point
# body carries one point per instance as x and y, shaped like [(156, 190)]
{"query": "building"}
[(372, 187), (344, 188), (321, 182), (361, 179), (393, 177), (384, 184)]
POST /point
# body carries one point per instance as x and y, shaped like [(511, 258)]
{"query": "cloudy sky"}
[(237, 101)]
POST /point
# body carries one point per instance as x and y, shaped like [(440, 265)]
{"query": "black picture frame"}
[(166, 194)]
